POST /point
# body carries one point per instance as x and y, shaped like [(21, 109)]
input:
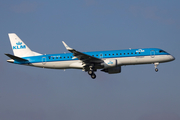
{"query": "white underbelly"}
[(143, 59), (60, 64)]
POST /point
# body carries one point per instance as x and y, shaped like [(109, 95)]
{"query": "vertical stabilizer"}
[(19, 48)]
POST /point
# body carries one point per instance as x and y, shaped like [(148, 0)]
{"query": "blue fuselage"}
[(98, 54)]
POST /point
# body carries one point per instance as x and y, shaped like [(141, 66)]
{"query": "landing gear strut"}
[(155, 65)]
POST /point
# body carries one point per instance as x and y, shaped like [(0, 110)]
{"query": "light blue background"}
[(138, 93)]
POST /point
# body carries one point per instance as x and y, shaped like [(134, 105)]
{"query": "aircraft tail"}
[(20, 49)]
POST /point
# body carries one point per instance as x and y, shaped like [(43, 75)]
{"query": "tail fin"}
[(19, 48)]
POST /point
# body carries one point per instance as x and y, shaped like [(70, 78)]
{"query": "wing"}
[(85, 58)]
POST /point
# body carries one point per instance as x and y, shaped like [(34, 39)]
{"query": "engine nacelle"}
[(109, 63), (112, 70)]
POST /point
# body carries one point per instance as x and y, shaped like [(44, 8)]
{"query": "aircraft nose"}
[(172, 57)]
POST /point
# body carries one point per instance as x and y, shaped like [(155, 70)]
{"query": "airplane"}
[(107, 61)]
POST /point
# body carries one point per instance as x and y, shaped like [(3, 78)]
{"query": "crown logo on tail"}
[(18, 43), (19, 46)]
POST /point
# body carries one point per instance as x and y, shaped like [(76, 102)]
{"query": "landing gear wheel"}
[(155, 65), (90, 72), (156, 70), (93, 76)]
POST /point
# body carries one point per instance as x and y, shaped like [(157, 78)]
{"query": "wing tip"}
[(66, 46)]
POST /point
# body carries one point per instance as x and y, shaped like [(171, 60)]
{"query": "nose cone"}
[(172, 58)]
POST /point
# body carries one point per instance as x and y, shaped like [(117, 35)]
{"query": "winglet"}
[(66, 46)]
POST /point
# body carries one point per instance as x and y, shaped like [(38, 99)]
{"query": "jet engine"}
[(112, 70), (110, 66)]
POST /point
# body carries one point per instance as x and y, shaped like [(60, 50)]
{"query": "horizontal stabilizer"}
[(15, 57)]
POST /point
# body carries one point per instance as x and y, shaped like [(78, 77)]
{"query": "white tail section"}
[(19, 48)]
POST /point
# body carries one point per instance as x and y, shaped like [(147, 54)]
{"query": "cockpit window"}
[(162, 51)]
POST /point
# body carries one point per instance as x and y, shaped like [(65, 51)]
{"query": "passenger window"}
[(71, 56), (135, 52), (128, 53), (49, 57), (124, 53), (56, 57), (131, 53), (139, 52), (105, 54), (112, 54), (96, 55), (93, 55), (109, 54), (64, 57), (120, 53), (68, 57), (60, 57), (52, 57), (116, 53)]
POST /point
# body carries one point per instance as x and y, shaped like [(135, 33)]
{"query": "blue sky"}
[(138, 93)]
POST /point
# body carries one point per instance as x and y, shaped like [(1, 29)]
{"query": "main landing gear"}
[(155, 65), (92, 74), (91, 71)]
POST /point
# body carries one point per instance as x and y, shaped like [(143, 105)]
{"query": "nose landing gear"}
[(155, 65), (156, 69)]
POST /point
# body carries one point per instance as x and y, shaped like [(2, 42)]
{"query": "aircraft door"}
[(43, 60), (152, 53)]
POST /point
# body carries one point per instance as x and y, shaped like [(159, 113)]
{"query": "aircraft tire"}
[(90, 72), (156, 70), (93, 76)]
